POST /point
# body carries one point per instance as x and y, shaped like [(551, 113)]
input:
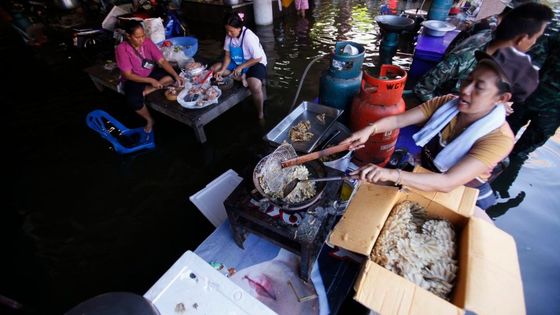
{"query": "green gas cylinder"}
[(341, 82)]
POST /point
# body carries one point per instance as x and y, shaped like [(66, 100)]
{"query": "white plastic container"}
[(263, 12)]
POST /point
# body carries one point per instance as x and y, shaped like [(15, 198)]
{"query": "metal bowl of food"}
[(232, 2), (437, 28), (315, 169)]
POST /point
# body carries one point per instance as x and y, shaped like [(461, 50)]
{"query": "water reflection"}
[(300, 40), (502, 186)]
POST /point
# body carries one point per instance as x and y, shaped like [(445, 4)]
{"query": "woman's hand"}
[(179, 79), (156, 84), (375, 174), (237, 71), (218, 74), (358, 138)]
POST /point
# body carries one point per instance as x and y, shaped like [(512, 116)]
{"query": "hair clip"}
[(241, 15)]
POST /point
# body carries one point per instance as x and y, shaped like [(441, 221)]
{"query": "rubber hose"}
[(303, 78)]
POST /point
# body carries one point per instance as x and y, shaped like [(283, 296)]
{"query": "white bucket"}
[(340, 164), (263, 12)]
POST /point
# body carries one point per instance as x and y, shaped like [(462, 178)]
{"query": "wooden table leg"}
[(306, 263), (95, 81), (239, 234), (199, 133), (238, 231)]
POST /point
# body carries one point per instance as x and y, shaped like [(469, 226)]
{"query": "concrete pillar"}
[(263, 12)]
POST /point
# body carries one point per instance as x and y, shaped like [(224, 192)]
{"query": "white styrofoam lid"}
[(192, 286), (210, 200)]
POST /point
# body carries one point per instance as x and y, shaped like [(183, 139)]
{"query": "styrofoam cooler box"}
[(210, 200), (192, 286)]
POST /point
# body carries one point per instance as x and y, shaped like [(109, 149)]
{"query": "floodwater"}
[(81, 220)]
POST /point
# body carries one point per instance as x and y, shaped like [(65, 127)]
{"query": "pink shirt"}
[(128, 60)]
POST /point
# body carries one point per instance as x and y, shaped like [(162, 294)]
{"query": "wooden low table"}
[(194, 118), (197, 118), (103, 78)]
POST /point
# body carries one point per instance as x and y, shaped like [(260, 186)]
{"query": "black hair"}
[(131, 26), (233, 20), (505, 11), (527, 19)]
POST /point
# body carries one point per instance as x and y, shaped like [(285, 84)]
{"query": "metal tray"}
[(304, 111)]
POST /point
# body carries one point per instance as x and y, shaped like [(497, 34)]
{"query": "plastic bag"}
[(154, 29), (176, 54)]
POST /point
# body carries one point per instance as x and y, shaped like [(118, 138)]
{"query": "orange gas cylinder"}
[(379, 148), (387, 87)]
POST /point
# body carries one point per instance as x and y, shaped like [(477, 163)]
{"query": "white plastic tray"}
[(192, 286)]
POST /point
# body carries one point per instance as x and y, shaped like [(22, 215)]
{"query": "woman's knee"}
[(255, 85), (166, 79)]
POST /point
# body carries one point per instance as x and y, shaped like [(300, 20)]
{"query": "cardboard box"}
[(488, 279)]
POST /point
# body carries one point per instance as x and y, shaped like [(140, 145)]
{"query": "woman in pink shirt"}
[(301, 7), (137, 58)]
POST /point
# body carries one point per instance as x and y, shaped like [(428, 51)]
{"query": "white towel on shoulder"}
[(460, 146)]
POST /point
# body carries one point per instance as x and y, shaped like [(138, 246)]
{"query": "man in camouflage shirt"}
[(542, 108), (519, 29)]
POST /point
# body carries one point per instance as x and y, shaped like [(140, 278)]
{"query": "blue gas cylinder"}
[(342, 81), (439, 10), (338, 93)]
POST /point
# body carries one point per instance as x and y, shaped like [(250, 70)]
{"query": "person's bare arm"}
[(140, 79), (410, 117), (169, 69), (463, 172), (247, 64), (225, 63)]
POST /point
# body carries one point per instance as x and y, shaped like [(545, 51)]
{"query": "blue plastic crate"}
[(190, 43), (122, 139)]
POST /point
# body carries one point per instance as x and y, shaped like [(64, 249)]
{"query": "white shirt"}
[(252, 47)]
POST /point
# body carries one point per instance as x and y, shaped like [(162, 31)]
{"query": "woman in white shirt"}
[(245, 57)]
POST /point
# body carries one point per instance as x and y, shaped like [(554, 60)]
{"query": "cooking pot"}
[(316, 170)]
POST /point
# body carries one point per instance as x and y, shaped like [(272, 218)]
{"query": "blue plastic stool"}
[(124, 140)]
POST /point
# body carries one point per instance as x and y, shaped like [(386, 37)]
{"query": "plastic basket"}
[(190, 43), (122, 139)]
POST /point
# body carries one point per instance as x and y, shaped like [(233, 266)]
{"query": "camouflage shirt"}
[(547, 54), (447, 75)]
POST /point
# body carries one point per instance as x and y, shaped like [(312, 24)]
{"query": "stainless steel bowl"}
[(437, 28), (232, 2)]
